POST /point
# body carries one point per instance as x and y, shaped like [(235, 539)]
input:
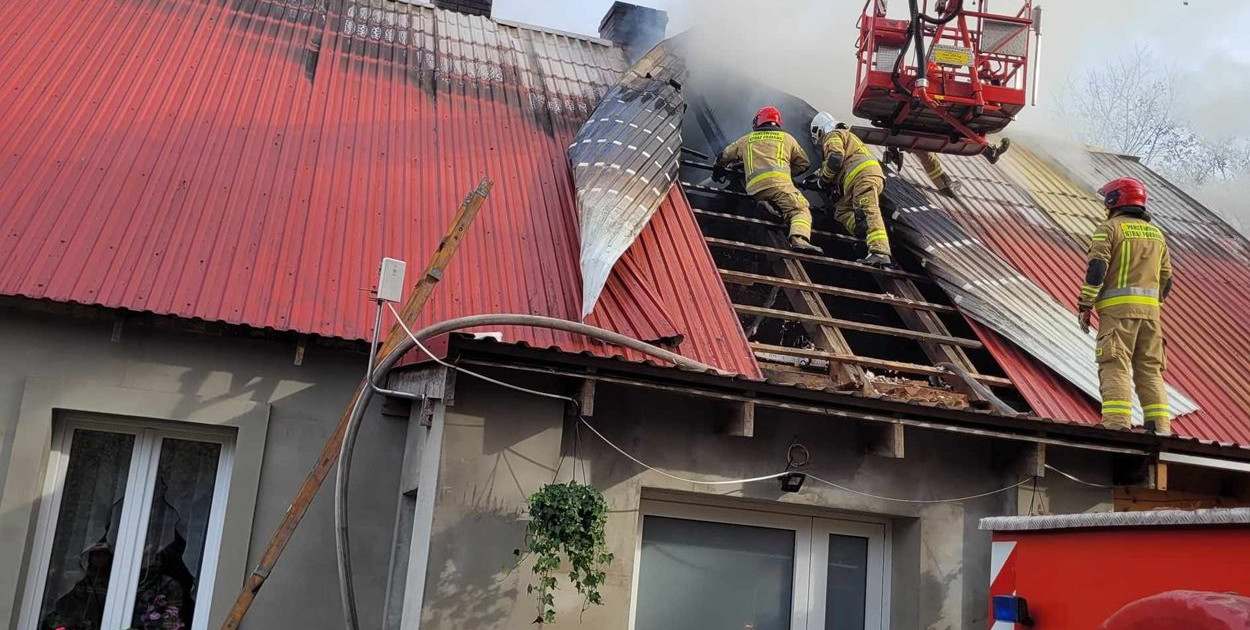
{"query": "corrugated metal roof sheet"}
[(624, 160), (1043, 228), (1042, 387), (961, 250), (251, 162), (1095, 520)]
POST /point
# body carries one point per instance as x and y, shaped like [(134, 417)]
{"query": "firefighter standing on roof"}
[(1128, 278), (771, 158), (848, 167)]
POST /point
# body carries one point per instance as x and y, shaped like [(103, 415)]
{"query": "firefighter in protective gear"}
[(946, 185), (1127, 280), (771, 158), (849, 168)]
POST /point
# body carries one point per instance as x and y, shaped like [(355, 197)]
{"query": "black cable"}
[(918, 33), (896, 73), (793, 462)]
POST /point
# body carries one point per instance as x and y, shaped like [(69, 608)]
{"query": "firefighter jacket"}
[(845, 158), (770, 157), (1130, 269)]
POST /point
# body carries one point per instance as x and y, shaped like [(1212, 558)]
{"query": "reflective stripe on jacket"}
[(1138, 267), (770, 157), (856, 158)]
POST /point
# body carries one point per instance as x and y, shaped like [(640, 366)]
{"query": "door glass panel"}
[(714, 576), (173, 550), (86, 530), (847, 587)]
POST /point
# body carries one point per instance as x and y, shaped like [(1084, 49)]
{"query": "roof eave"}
[(985, 423)]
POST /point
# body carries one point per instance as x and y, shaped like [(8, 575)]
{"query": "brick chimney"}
[(634, 28), (471, 7)]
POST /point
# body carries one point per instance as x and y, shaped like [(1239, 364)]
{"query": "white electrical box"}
[(391, 280)]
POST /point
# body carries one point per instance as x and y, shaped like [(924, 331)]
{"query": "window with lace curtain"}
[(129, 526)]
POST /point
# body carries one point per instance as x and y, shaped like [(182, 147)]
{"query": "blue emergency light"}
[(1012, 609)]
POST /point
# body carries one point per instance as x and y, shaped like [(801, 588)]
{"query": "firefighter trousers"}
[(860, 212), (793, 207), (1131, 353)]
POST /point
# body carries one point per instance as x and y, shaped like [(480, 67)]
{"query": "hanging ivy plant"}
[(566, 520)]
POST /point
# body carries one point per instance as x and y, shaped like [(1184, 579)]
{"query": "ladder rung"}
[(869, 362), (831, 262), (772, 224), (748, 279), (857, 326)]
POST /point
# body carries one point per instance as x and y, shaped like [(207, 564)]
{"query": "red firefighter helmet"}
[(1121, 192), (766, 115)]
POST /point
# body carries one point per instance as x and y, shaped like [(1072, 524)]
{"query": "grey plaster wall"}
[(500, 446), (305, 403)]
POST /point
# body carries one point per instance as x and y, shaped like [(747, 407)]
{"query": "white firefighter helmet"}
[(822, 123)]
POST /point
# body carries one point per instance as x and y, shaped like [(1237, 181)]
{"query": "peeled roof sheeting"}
[(1204, 319), (252, 162), (624, 161), (986, 287)]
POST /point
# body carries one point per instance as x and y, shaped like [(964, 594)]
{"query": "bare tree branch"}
[(1129, 106)]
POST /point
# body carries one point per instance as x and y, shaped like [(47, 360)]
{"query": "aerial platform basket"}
[(942, 83)]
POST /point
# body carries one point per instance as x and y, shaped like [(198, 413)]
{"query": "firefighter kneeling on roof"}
[(771, 158), (850, 169), (1127, 281)]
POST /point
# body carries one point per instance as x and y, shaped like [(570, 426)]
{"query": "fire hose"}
[(383, 367)]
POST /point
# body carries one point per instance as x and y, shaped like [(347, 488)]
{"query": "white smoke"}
[(807, 47)]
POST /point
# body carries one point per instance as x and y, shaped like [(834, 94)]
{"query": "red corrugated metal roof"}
[(252, 162), (1029, 212), (1049, 394)]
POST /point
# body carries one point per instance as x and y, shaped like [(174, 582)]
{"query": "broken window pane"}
[(86, 530), (173, 550)]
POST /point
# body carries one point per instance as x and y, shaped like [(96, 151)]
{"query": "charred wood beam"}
[(749, 279), (827, 338), (857, 326), (813, 258), (738, 218), (869, 362)]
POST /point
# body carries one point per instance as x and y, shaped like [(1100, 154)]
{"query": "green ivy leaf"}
[(566, 520)]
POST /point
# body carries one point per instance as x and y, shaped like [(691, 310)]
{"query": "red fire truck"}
[(1157, 570)]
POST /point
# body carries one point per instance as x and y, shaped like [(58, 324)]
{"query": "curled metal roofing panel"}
[(1204, 319), (952, 240), (1074, 209), (1049, 394), (624, 161)]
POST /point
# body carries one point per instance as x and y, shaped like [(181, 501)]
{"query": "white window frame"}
[(811, 555), (877, 594), (136, 508)]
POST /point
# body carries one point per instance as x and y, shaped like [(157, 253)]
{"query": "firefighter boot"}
[(993, 152), (881, 261), (801, 244)]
